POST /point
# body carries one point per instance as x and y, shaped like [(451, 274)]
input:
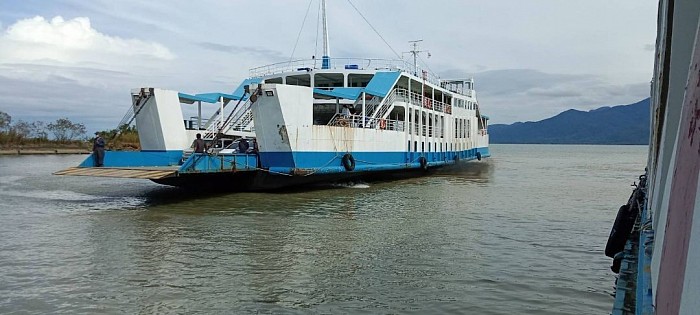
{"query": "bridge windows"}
[(274, 80), (328, 80), (359, 80), (301, 80)]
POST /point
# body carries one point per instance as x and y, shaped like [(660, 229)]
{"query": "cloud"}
[(40, 41), (512, 95), (234, 49)]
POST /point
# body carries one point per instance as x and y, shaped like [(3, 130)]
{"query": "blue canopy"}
[(382, 82), (240, 90), (205, 97), (214, 97), (350, 93)]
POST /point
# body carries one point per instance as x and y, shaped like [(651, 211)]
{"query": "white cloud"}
[(40, 41)]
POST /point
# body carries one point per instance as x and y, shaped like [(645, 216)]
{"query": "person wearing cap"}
[(98, 150)]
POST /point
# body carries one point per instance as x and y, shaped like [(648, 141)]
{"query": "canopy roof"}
[(350, 93), (237, 94), (382, 82)]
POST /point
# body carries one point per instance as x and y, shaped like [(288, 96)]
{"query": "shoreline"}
[(42, 151)]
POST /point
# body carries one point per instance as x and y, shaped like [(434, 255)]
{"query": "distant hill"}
[(624, 124)]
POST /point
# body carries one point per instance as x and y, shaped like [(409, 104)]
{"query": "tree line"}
[(61, 132)]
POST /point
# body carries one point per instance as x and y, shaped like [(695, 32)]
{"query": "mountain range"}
[(623, 124)]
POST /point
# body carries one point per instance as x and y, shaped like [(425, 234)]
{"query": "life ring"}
[(478, 156), (348, 162), (621, 230), (382, 124), (423, 163)]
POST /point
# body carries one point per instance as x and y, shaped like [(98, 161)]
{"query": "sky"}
[(530, 59)]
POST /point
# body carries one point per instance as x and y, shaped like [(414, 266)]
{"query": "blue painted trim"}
[(136, 158), (331, 162), (204, 163)]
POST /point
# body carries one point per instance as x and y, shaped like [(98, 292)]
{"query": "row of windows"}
[(462, 128), (322, 80), (464, 104), (436, 147)]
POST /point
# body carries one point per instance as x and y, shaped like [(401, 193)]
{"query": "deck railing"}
[(424, 101), (345, 64), (359, 121)]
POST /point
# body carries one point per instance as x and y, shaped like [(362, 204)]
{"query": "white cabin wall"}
[(690, 304), (160, 124)]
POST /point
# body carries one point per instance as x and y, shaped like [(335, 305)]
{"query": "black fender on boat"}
[(423, 163), (478, 156), (348, 162), (624, 222)]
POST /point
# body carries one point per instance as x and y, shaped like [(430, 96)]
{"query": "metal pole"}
[(199, 115)]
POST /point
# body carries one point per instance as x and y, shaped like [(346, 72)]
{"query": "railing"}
[(341, 63), (385, 105), (358, 121), (424, 101), (215, 126)]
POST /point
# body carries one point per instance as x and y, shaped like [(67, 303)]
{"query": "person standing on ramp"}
[(98, 150)]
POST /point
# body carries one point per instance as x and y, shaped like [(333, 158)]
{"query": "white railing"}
[(424, 101), (345, 64), (358, 121), (385, 105), (216, 126)]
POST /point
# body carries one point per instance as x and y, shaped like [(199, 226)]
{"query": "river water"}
[(520, 234)]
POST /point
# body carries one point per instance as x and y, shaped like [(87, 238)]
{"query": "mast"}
[(326, 63), (415, 53)]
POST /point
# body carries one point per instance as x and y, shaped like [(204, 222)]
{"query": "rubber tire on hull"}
[(478, 156), (621, 230), (423, 163), (348, 162)]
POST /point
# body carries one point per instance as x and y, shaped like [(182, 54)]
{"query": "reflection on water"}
[(497, 237)]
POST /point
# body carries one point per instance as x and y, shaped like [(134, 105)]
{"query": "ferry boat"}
[(304, 121)]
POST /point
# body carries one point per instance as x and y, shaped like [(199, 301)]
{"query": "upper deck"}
[(345, 65)]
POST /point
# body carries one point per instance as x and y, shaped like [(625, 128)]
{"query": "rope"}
[(375, 30), (300, 30)]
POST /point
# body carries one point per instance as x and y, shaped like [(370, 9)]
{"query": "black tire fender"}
[(624, 222), (348, 162), (423, 163), (478, 156)]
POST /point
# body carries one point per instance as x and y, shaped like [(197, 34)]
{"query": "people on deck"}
[(98, 150), (243, 145), (198, 144)]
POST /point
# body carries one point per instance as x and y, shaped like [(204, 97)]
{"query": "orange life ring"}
[(382, 124)]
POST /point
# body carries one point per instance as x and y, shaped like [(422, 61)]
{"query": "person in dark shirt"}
[(243, 145), (98, 150), (198, 144)]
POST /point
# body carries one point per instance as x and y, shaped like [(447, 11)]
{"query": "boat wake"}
[(356, 185)]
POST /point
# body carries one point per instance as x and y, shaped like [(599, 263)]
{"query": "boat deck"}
[(121, 172)]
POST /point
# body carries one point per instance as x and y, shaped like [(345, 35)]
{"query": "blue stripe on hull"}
[(136, 158), (331, 162)]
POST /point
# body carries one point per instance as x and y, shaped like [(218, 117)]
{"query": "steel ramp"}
[(121, 172)]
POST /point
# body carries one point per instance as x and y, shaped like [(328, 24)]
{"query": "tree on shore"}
[(5, 121), (65, 130)]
